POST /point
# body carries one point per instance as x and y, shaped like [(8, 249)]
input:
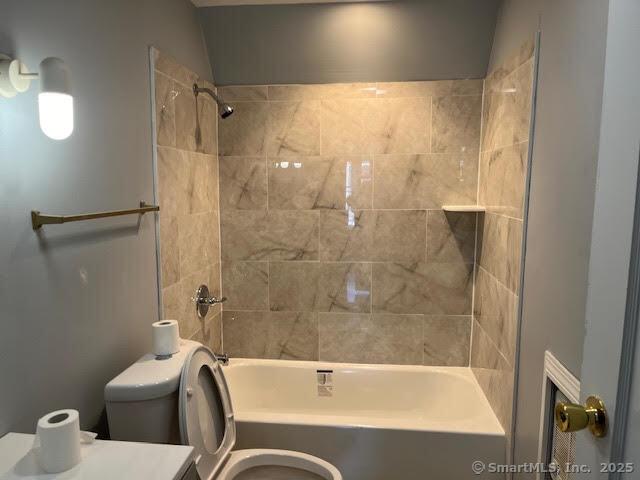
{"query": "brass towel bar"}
[(39, 219)]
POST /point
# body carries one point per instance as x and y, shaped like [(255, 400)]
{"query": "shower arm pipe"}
[(214, 95)]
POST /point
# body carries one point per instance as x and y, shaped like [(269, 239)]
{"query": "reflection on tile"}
[(502, 179), (198, 240), (451, 236), (284, 335), (322, 91), (344, 287), (210, 333), (496, 308), (243, 183), (244, 132), (173, 181), (202, 178), (447, 340), (456, 124), (186, 118), (309, 183), (372, 235), (273, 235), (494, 375), (436, 88), (293, 128), (425, 181), (170, 67), (246, 285), (206, 136), (293, 285), (428, 288), (170, 258), (394, 125), (322, 287), (499, 246), (243, 93), (165, 110), (362, 338), (507, 109)]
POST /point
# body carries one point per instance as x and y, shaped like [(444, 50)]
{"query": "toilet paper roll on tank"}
[(166, 338)]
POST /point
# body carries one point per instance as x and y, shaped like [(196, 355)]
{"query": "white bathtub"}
[(380, 422)]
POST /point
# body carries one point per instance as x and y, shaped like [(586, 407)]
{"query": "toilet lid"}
[(206, 415)]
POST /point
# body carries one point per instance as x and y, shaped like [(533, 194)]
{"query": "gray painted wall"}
[(76, 302), (389, 41), (563, 173)]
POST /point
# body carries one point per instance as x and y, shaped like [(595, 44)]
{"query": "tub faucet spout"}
[(223, 358)]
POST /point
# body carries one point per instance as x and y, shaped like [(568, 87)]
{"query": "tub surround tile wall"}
[(334, 244), (502, 179), (187, 183)]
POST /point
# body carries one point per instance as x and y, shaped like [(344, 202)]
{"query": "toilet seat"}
[(207, 424), (242, 460)]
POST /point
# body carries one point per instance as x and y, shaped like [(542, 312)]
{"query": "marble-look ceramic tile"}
[(198, 241), (201, 192), (363, 338), (373, 235), (243, 93), (494, 375), (435, 88), (186, 118), (246, 285), (165, 110), (293, 128), (507, 109), (273, 235), (284, 335), (243, 183), (447, 340), (310, 183), (173, 181), (293, 286), (169, 66), (375, 126), (169, 251), (206, 135), (495, 308), (514, 61), (428, 288), (344, 287), (499, 247), (451, 236), (177, 303), (210, 333), (245, 132), (425, 181), (456, 124), (321, 91), (502, 179)]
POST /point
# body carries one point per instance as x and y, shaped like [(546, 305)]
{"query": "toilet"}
[(185, 399)]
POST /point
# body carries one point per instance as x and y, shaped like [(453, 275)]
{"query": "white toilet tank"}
[(142, 402)]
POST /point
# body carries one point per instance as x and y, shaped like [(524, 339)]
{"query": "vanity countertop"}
[(101, 460)]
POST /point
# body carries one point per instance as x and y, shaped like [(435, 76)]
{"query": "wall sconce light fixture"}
[(55, 102)]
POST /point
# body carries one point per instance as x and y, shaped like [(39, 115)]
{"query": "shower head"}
[(225, 109)]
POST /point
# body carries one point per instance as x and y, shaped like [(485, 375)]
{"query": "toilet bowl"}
[(207, 423), (189, 389)]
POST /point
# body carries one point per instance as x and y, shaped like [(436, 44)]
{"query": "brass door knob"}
[(571, 417)]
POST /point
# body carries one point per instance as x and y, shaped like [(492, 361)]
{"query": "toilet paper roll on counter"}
[(166, 338), (57, 442)]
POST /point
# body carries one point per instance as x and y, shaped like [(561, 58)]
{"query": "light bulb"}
[(56, 114), (55, 102)]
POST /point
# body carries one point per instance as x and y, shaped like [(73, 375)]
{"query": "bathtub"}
[(373, 422)]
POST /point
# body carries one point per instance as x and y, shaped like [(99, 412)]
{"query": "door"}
[(614, 270)]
